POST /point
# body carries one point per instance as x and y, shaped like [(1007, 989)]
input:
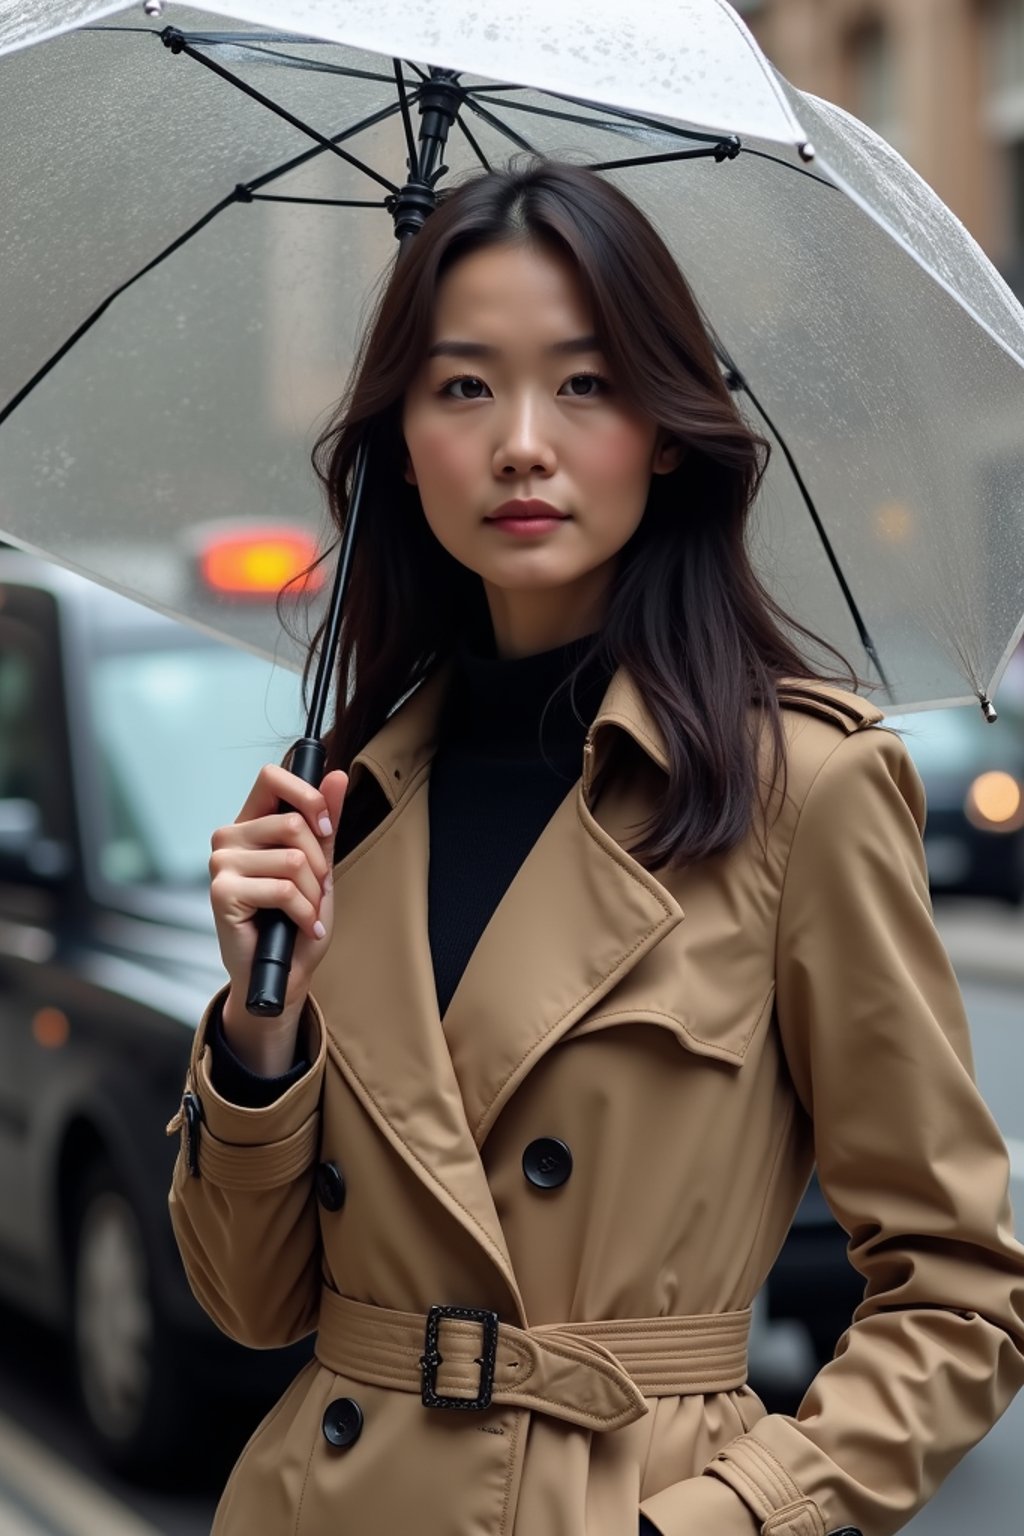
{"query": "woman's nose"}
[(524, 446)]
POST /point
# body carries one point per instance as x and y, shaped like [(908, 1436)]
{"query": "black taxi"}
[(125, 738)]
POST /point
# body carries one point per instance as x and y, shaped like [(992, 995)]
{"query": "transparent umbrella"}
[(198, 205)]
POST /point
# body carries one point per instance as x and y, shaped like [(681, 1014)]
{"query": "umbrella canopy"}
[(174, 333)]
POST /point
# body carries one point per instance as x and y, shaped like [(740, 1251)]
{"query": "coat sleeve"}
[(913, 1167), (242, 1199)]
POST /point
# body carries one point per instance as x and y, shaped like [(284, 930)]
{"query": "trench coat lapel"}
[(578, 915), (376, 984)]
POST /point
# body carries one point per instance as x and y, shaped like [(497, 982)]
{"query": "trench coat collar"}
[(576, 918), (407, 740)]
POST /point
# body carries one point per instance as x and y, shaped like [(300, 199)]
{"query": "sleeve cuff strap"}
[(260, 1167), (277, 1122), (768, 1489)]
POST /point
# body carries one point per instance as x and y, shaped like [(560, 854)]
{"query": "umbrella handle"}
[(268, 979)]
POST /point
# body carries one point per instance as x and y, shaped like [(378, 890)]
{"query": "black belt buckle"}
[(431, 1357)]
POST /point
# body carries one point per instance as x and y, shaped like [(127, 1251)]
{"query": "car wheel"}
[(127, 1369)]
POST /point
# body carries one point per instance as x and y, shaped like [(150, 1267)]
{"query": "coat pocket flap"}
[(711, 1011), (683, 1030)]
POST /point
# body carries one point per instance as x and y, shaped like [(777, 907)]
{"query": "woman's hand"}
[(269, 858)]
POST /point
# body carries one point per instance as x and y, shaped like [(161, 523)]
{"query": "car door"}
[(36, 822)]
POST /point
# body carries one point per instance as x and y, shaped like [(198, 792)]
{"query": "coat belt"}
[(596, 1374)]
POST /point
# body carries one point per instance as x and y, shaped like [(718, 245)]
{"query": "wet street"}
[(51, 1486)]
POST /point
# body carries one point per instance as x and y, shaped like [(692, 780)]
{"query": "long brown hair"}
[(687, 617)]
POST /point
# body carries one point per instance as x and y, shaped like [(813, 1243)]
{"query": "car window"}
[(26, 748), (181, 733)]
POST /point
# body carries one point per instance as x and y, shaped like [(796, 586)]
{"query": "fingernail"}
[(328, 882), (319, 929), (325, 826)]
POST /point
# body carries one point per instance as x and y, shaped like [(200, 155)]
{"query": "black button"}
[(330, 1186), (342, 1422), (547, 1162)]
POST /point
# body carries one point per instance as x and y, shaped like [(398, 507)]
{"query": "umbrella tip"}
[(153, 7), (806, 150), (988, 709)]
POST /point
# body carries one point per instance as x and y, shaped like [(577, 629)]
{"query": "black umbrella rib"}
[(310, 154), (271, 55), (473, 144), (319, 66), (670, 130), (547, 112), (710, 140), (500, 127), (410, 140), (787, 165), (737, 380), (177, 43), (100, 309), (722, 151), (623, 118), (245, 196), (293, 60)]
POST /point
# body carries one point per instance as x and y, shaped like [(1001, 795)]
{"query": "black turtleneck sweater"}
[(510, 747)]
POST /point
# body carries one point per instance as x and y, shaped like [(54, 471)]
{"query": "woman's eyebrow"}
[(480, 349)]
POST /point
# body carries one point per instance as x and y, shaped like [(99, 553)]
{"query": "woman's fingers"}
[(280, 859), (290, 828), (275, 784), (271, 864), (286, 829), (236, 897)]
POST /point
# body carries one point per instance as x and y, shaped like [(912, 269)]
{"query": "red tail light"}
[(259, 562)]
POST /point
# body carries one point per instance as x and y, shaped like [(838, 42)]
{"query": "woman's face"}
[(513, 402)]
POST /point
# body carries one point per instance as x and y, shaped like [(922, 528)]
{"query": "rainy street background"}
[(943, 80)]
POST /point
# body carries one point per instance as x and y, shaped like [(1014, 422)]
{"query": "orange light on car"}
[(50, 1028), (995, 802), (259, 563)]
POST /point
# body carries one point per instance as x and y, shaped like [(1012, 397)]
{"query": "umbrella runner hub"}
[(440, 101)]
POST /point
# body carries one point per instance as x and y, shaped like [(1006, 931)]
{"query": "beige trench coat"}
[(695, 1040)]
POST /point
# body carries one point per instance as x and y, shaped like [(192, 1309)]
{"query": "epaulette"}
[(827, 702)]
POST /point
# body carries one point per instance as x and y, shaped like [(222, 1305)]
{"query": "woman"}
[(628, 924)]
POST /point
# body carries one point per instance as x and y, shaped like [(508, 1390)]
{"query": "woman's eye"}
[(600, 383), (583, 386), (476, 387)]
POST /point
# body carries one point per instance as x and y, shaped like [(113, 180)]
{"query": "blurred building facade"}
[(942, 80)]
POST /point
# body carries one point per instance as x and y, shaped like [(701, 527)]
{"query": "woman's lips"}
[(527, 518), (528, 527)]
